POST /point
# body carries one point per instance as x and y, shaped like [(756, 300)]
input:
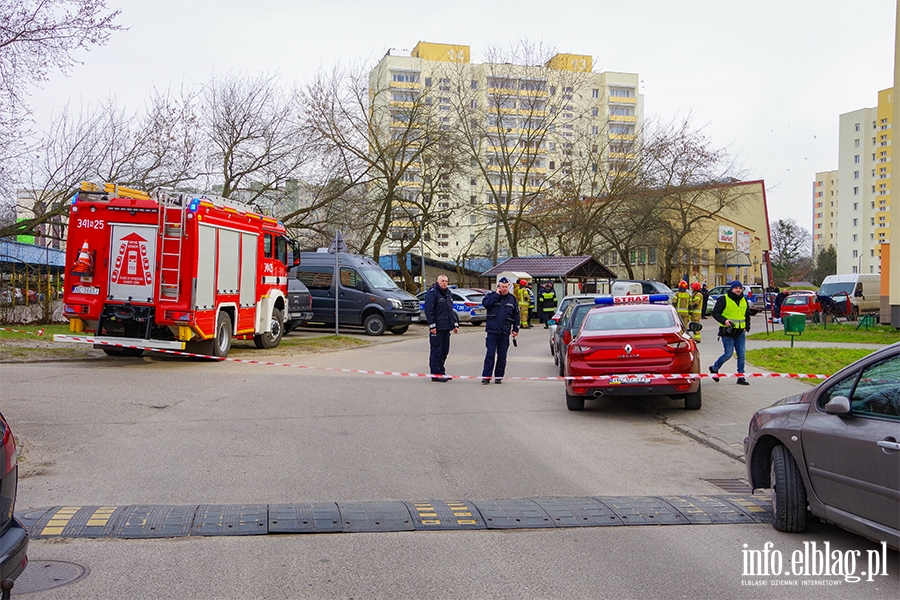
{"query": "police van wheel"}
[(574, 402), (400, 330), (221, 344), (374, 324), (273, 337)]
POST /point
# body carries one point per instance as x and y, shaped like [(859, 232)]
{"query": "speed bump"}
[(162, 521)]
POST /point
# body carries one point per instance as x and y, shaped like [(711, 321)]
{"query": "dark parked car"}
[(13, 537), (834, 451), (299, 305)]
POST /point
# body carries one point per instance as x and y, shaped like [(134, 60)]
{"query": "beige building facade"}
[(535, 121)]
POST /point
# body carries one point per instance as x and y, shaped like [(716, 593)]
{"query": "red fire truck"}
[(168, 270)]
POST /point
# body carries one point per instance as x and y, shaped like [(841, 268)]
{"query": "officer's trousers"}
[(497, 344), (440, 348)]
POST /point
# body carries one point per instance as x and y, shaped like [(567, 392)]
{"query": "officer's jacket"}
[(502, 313), (439, 309)]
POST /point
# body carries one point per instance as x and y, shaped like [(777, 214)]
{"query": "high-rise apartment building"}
[(825, 210), (861, 220), (528, 126)]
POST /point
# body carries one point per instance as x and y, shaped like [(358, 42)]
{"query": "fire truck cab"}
[(168, 270)]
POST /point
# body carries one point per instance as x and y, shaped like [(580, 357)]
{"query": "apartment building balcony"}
[(406, 85), (622, 119), (622, 155), (401, 104), (622, 136), (622, 100)]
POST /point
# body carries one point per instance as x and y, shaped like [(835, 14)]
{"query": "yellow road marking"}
[(58, 521)]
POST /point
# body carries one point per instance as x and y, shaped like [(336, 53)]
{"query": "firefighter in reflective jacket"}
[(523, 295), (547, 301), (696, 309), (682, 303)]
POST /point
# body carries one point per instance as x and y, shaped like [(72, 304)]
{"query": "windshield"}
[(797, 300), (837, 287), (378, 279), (635, 319)]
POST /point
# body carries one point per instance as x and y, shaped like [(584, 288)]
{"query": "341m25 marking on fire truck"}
[(90, 223)]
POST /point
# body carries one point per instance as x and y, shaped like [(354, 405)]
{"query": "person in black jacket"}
[(502, 320), (442, 320)]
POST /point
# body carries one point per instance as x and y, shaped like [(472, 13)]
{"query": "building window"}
[(855, 191), (855, 174), (855, 238), (856, 206), (474, 85), (856, 254), (856, 143), (856, 222), (473, 181), (856, 158), (856, 127), (552, 164), (595, 93), (595, 130), (595, 112)]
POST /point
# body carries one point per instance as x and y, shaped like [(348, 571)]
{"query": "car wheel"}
[(693, 401), (562, 365), (374, 324), (273, 337), (400, 330), (555, 358), (553, 352), (788, 492), (574, 402)]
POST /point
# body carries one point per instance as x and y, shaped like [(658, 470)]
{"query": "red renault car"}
[(13, 537), (632, 346)]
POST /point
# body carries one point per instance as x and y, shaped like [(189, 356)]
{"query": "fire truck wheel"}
[(221, 344), (374, 324), (273, 337)]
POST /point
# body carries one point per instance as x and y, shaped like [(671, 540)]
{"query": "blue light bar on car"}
[(638, 299)]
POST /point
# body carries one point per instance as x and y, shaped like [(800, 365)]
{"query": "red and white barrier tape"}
[(675, 376), (39, 332)]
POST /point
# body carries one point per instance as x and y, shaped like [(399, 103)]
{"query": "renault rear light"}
[(679, 346)]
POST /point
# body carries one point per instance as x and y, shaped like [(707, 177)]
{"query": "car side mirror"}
[(839, 405)]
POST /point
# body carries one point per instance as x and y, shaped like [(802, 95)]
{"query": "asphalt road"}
[(162, 430)]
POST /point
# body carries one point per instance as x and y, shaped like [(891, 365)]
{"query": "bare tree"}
[(106, 144), (790, 249), (505, 137), (391, 149), (690, 181), (37, 36), (252, 134)]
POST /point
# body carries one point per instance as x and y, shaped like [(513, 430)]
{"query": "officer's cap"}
[(503, 280)]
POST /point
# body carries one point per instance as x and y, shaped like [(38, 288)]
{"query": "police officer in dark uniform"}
[(442, 320), (502, 320)]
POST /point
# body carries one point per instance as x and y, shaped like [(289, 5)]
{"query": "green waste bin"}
[(794, 324)]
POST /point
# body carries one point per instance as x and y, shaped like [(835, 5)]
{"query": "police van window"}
[(281, 250), (351, 279), (316, 278), (267, 245)]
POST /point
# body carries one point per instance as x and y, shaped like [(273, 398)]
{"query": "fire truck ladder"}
[(171, 234)]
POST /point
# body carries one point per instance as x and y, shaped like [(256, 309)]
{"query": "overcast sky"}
[(766, 78)]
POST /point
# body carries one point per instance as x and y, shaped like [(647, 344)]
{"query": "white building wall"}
[(855, 232)]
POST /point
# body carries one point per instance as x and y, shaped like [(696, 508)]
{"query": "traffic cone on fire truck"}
[(84, 265)]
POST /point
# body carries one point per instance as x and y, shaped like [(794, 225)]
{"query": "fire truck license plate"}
[(85, 289)]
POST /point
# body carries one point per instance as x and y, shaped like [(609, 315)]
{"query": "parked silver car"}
[(834, 451), (553, 322)]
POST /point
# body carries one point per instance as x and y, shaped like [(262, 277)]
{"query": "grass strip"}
[(805, 360), (835, 332)]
